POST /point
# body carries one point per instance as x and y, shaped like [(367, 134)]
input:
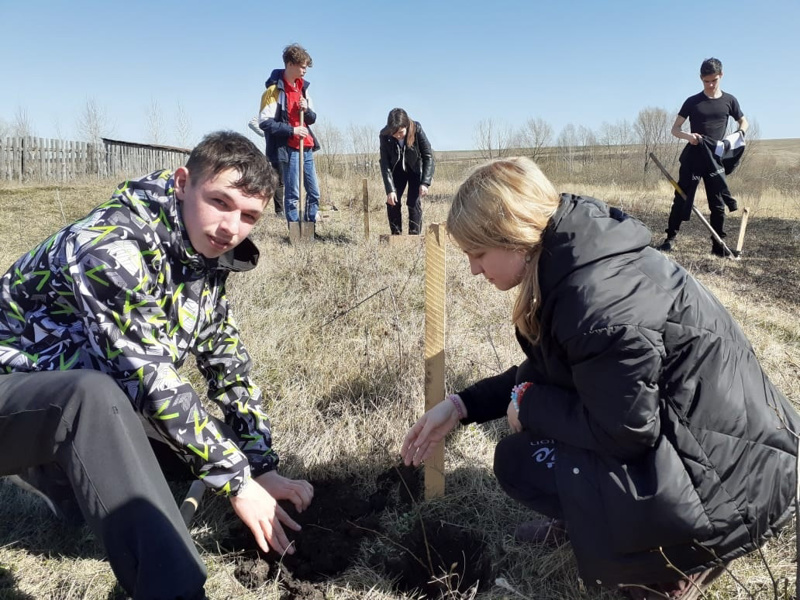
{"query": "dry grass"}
[(336, 329)]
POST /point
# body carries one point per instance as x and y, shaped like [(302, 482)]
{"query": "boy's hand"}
[(391, 198), (301, 131), (297, 491), (423, 190), (303, 104), (260, 512)]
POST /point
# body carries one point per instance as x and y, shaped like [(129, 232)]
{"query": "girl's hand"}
[(513, 418), (422, 439), (391, 198), (423, 191)]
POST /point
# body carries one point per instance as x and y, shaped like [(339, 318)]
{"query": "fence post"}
[(434, 346)]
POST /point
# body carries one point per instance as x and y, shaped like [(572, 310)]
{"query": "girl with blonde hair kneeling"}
[(643, 426)]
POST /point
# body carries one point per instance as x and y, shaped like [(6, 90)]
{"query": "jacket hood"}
[(152, 199), (276, 77), (583, 231)]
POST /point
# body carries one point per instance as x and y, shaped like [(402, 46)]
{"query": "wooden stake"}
[(434, 346), (366, 209), (742, 228)]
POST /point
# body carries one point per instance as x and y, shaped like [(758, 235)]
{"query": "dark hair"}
[(296, 54), (710, 66), (223, 150), (397, 119)]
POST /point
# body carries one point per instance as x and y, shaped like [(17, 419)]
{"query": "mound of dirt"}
[(429, 558)]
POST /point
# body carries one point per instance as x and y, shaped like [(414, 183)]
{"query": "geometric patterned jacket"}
[(122, 291)]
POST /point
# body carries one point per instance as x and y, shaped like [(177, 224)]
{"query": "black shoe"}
[(49, 483), (718, 250), (668, 245)]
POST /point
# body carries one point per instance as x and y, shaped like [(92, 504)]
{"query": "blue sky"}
[(449, 64)]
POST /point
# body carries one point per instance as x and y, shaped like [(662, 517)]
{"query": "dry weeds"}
[(335, 329)]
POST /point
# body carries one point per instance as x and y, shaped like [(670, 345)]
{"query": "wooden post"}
[(366, 209), (742, 228), (434, 346)]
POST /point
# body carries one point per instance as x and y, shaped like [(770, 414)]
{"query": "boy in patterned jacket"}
[(94, 325)]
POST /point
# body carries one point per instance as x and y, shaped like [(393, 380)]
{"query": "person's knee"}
[(93, 389), (507, 455)]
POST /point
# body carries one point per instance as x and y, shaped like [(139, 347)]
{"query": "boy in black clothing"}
[(708, 114)]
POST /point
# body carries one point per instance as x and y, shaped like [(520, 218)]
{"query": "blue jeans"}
[(291, 186)]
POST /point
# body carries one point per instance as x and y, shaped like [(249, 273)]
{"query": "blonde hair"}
[(507, 204)]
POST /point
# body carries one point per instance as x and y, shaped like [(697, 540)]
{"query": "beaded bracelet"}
[(456, 400), (517, 392)]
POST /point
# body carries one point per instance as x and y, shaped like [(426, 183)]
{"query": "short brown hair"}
[(223, 150), (297, 55)]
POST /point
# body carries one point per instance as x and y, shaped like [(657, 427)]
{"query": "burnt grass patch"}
[(420, 556)]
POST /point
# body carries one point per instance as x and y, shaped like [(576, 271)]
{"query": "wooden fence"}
[(26, 159)]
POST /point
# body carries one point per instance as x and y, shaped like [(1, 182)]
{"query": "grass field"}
[(335, 329)]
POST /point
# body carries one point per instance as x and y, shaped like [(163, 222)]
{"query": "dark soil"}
[(342, 518)]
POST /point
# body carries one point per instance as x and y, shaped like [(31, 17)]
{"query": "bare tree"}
[(567, 143), (364, 147), (5, 129), (617, 139), (93, 122), (493, 140), (652, 127), (155, 123), (535, 135), (183, 127), (587, 141), (22, 125), (331, 143)]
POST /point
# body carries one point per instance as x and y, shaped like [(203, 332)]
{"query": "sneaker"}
[(49, 483), (668, 245), (550, 532)]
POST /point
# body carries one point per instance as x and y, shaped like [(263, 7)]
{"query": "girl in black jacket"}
[(406, 160), (642, 422)]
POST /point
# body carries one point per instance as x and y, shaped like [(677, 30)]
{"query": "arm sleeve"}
[(736, 110), (225, 364), (310, 117), (488, 398), (614, 408), (426, 154), (267, 117), (686, 107), (115, 283), (386, 167), (253, 125)]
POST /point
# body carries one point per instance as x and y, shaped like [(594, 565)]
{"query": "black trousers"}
[(524, 467), (82, 421), (689, 177), (403, 179)]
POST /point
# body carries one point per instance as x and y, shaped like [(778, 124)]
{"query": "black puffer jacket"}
[(418, 158), (669, 434)]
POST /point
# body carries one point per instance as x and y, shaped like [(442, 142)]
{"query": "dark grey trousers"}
[(83, 422)]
